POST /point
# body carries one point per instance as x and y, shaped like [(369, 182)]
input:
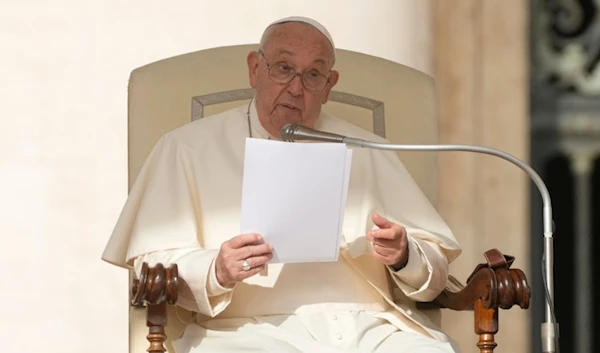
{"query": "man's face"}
[(298, 47)]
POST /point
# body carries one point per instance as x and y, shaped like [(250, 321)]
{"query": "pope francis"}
[(185, 208)]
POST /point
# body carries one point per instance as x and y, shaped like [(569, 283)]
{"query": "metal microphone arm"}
[(549, 327)]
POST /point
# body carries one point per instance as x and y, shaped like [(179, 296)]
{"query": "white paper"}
[(294, 195)]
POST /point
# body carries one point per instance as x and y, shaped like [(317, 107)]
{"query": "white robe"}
[(186, 202)]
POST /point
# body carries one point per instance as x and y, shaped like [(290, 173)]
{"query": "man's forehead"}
[(288, 52), (308, 21)]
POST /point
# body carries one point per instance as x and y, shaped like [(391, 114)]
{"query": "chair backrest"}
[(381, 96)]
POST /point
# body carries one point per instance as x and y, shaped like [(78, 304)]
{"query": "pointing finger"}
[(389, 234), (381, 222)]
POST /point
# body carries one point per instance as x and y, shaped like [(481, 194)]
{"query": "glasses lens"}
[(314, 80), (281, 73), (311, 79)]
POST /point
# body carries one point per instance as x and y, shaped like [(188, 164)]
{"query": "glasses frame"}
[(295, 73)]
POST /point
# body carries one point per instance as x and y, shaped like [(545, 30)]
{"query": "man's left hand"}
[(390, 242)]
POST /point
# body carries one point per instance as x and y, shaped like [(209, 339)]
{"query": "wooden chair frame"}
[(492, 286)]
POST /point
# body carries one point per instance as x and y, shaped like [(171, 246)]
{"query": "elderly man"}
[(185, 208)]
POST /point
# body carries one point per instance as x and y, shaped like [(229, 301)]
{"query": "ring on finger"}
[(245, 265)]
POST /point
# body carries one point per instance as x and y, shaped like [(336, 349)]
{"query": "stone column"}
[(583, 304), (480, 66)]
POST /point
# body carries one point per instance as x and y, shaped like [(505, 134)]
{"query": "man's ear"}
[(333, 79), (252, 59)]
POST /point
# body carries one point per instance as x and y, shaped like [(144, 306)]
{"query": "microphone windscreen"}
[(287, 132)]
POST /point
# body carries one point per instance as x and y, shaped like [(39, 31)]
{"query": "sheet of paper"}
[(294, 195)]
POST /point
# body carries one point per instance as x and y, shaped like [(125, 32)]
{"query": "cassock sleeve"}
[(160, 222), (425, 274), (431, 244)]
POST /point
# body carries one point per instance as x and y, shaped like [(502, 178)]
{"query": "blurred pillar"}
[(583, 164), (480, 65)]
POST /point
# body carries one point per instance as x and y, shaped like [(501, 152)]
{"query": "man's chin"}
[(282, 120)]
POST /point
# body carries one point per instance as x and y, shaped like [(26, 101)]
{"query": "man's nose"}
[(295, 86)]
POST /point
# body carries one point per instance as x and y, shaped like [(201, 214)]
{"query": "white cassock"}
[(186, 203)]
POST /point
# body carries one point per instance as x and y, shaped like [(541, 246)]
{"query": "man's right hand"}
[(232, 254)]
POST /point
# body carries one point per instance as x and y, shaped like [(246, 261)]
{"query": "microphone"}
[(292, 132), (295, 132)]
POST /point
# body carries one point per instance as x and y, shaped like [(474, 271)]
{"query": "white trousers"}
[(357, 332)]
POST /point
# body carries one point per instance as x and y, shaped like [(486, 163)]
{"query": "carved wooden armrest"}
[(156, 288), (492, 286)]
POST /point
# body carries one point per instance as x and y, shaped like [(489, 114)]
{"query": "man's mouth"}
[(289, 106)]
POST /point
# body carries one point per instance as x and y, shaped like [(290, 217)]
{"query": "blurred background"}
[(520, 76)]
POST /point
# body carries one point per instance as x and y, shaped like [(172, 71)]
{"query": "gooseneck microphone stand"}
[(549, 328)]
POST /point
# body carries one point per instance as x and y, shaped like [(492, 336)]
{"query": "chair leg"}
[(157, 321), (486, 326)]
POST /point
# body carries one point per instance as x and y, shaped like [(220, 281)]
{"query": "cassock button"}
[(409, 312), (338, 336), (333, 317)]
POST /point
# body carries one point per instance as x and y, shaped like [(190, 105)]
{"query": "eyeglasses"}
[(312, 79)]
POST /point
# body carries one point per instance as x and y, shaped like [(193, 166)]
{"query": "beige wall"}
[(64, 68), (63, 81), (480, 68)]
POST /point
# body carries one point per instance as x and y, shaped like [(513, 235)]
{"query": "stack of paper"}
[(294, 195)]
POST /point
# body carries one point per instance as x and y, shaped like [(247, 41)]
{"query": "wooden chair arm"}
[(156, 288), (492, 286)]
